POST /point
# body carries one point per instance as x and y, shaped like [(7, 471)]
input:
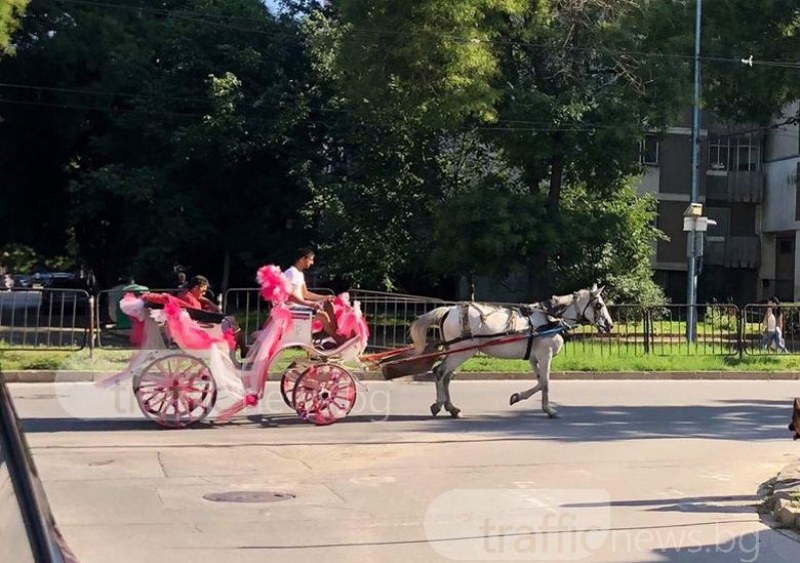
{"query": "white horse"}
[(467, 327)]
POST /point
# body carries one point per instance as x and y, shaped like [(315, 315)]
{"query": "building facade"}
[(779, 273), (732, 187)]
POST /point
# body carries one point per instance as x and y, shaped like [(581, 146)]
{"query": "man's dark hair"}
[(302, 252), (198, 280)]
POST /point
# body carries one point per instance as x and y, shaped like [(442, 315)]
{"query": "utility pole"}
[(691, 292)]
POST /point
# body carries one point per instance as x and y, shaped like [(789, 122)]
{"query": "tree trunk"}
[(540, 278)]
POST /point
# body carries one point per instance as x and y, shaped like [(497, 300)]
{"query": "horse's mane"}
[(556, 305)]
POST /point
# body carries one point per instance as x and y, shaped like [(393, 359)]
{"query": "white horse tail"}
[(419, 328)]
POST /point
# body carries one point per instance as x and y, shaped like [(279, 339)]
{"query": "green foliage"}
[(407, 139), (430, 60), (610, 239), (18, 258), (720, 317), (11, 11), (164, 137)]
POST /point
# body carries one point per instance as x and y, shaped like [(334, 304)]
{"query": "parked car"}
[(29, 532), (59, 290), (21, 280)]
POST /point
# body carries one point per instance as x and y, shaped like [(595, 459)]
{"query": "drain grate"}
[(248, 496)]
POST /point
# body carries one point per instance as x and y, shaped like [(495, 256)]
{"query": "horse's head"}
[(592, 308)]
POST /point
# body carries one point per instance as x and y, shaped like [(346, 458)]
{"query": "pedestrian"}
[(773, 326)]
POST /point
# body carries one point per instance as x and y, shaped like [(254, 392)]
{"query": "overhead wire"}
[(206, 17)]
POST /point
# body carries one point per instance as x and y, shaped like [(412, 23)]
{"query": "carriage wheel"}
[(288, 381), (324, 393), (176, 391)]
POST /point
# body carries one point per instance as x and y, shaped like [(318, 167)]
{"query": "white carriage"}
[(186, 357)]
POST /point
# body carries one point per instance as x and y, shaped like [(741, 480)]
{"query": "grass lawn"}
[(585, 358)]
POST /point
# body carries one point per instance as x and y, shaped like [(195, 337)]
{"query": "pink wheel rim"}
[(324, 394), (176, 391)]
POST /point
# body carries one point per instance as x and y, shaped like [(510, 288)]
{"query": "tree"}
[(11, 11), (769, 32), (394, 78), (172, 129), (548, 86)]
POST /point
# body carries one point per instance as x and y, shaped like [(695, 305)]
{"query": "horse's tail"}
[(419, 328)]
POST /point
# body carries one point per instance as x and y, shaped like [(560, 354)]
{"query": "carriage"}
[(186, 361)]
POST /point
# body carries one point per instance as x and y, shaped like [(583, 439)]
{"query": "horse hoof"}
[(515, 398), (552, 414), (455, 412), (435, 408)]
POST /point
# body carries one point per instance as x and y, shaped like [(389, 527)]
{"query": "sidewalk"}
[(50, 376)]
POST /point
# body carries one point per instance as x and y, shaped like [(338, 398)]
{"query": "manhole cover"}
[(248, 496)]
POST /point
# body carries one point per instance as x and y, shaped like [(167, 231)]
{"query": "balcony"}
[(734, 252), (735, 187)]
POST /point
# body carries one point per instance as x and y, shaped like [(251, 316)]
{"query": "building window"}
[(742, 154), (648, 150), (718, 151), (748, 153)]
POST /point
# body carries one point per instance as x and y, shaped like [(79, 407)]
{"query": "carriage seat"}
[(324, 350)]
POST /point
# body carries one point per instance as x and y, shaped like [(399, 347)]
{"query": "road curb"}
[(63, 376)]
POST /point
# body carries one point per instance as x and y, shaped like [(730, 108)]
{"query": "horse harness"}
[(551, 308)]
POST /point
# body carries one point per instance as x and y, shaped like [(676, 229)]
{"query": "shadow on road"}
[(757, 420)]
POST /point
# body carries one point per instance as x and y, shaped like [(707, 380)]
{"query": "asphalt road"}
[(632, 471)]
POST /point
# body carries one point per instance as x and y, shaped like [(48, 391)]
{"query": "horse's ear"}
[(593, 290)]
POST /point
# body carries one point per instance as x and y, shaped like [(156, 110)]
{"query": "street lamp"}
[(691, 282)]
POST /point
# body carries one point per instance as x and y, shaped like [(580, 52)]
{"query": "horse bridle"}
[(591, 303)]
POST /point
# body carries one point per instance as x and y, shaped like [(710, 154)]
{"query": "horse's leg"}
[(544, 381), (444, 374), (525, 395), (454, 411), (438, 375), (545, 361)]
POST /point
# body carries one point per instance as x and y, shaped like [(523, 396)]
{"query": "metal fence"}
[(37, 319), (111, 325), (250, 310), (66, 319), (658, 331)]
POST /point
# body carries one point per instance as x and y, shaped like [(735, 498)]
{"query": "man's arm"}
[(299, 296), (311, 296)]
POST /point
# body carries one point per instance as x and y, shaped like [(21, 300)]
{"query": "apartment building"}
[(732, 182), (779, 273)]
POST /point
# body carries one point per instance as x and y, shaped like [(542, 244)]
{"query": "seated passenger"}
[(194, 295)]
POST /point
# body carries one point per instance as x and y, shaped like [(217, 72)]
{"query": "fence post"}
[(740, 327), (91, 326), (646, 322)]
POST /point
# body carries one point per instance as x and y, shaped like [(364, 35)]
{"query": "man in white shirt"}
[(301, 296)]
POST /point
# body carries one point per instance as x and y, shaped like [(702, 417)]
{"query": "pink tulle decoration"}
[(349, 319), (281, 316), (137, 332), (133, 308), (275, 288)]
